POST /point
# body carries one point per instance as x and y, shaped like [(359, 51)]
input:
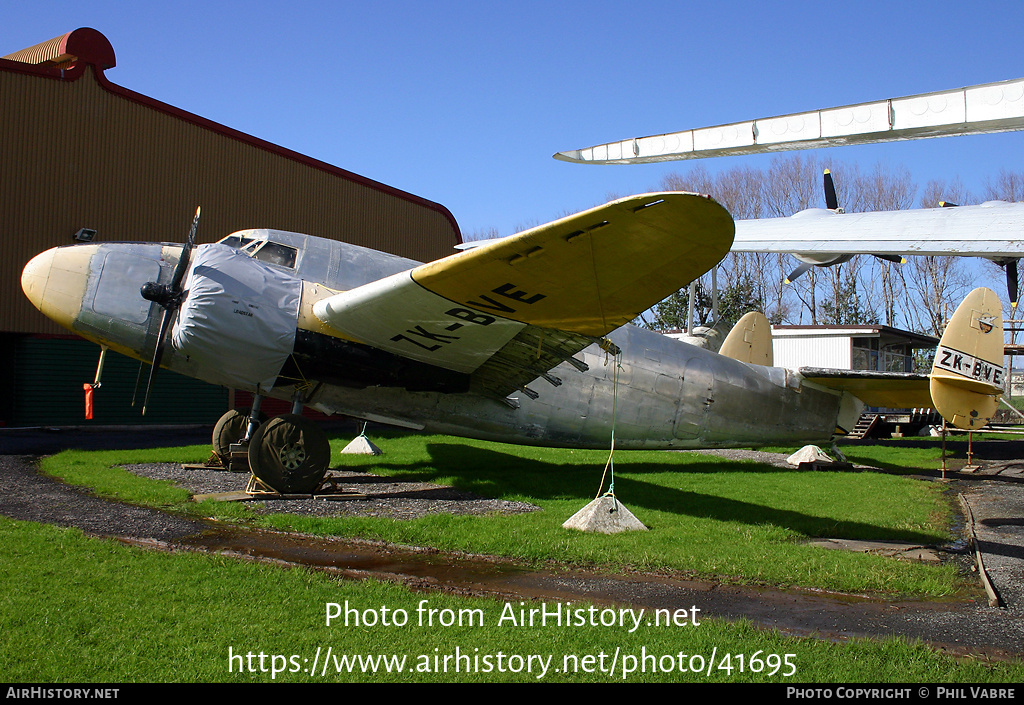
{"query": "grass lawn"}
[(738, 522), (79, 609)]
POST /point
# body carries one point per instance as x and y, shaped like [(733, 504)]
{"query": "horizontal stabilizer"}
[(967, 375), (890, 390)]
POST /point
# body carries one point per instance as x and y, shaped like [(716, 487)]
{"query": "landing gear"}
[(230, 429), (290, 454)]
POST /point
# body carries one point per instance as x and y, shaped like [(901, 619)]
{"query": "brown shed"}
[(79, 152)]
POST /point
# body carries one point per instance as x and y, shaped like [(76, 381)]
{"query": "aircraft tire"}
[(290, 454), (230, 428)]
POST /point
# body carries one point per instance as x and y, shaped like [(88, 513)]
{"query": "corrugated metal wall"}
[(48, 391), (79, 154), (810, 351)]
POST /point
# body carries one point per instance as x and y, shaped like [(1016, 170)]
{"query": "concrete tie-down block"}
[(605, 515), (362, 445)]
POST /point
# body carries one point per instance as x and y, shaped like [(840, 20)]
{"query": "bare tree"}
[(1008, 186), (938, 192), (878, 285), (918, 295), (935, 285), (793, 184), (883, 189)]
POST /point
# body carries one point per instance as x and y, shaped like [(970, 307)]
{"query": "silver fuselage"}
[(659, 393)]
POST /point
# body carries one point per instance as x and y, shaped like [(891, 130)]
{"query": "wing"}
[(993, 230), (981, 109), (509, 311)]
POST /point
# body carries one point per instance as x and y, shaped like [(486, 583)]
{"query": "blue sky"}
[(465, 102)]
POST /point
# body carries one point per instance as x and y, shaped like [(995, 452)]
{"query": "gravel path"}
[(363, 494), (32, 497)]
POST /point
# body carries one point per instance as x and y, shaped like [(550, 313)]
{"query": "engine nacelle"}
[(236, 326)]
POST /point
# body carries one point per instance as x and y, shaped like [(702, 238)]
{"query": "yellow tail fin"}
[(750, 340), (967, 375)]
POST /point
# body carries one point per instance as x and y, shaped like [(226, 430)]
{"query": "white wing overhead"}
[(826, 237), (985, 108), (992, 230)]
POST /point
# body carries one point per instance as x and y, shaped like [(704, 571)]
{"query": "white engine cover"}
[(237, 323)]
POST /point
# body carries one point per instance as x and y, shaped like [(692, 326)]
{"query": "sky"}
[(464, 103)]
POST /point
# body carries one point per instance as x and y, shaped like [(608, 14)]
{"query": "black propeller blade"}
[(831, 202), (1011, 281), (892, 258), (169, 297)]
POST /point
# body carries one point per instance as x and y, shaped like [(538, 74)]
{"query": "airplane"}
[(991, 230), (823, 237), (524, 340)]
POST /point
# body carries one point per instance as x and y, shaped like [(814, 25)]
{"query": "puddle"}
[(427, 568), (795, 612)]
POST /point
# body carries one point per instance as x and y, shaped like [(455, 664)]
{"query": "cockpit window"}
[(235, 241), (264, 250), (277, 254)]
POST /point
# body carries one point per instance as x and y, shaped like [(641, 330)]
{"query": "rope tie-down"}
[(605, 514)]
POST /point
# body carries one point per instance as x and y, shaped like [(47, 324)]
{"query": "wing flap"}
[(532, 353)]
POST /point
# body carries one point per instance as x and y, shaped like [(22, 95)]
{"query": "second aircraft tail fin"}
[(967, 376), (750, 340)]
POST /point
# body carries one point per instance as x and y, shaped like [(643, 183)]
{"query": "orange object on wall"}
[(88, 400)]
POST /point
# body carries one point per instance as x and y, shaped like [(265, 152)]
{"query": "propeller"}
[(169, 297), (1011, 282), (832, 203), (892, 258), (799, 271)]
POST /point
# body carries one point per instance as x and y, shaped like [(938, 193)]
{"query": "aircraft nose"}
[(34, 276), (55, 281)]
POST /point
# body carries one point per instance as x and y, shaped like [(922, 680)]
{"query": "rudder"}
[(967, 376)]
